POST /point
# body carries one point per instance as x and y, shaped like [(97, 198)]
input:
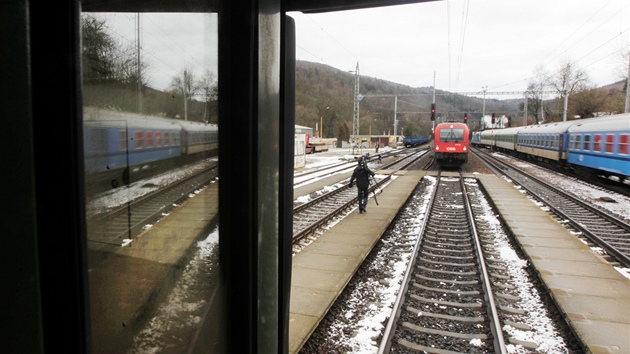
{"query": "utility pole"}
[(185, 95), (627, 110), (395, 120), (138, 63), (433, 104), (526, 99), (542, 104), (566, 92), (483, 110), (355, 117)]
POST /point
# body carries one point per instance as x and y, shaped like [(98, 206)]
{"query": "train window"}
[(139, 140), (151, 283), (578, 141), (149, 139), (597, 144), (610, 143), (122, 140), (587, 142), (451, 134), (623, 144)]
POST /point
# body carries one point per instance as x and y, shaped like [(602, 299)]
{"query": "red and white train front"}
[(450, 143)]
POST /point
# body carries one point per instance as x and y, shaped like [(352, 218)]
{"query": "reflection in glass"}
[(150, 147)]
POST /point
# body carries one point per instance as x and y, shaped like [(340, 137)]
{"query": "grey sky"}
[(496, 44), (471, 44)]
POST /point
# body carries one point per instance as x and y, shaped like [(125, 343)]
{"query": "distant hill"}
[(619, 86), (326, 95)]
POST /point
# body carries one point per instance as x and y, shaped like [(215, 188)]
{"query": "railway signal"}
[(492, 118), (465, 118), (432, 111), (509, 121)]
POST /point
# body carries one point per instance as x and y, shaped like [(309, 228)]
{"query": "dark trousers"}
[(363, 197)]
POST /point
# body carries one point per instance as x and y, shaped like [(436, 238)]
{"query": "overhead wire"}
[(580, 40)]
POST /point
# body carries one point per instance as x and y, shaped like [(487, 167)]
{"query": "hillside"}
[(325, 94)]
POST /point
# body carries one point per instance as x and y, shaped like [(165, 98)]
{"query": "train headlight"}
[(465, 148), (437, 147)]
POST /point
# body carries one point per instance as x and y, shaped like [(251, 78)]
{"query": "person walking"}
[(362, 175)]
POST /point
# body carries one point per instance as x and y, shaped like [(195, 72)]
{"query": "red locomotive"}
[(450, 143)]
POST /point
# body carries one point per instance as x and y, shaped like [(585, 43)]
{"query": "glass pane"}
[(623, 144), (452, 134), (151, 139)]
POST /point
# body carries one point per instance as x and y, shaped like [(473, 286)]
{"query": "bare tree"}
[(568, 79), (209, 90), (99, 50), (185, 84), (534, 94)]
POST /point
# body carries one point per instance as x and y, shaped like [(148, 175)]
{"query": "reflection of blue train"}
[(119, 146), (593, 146)]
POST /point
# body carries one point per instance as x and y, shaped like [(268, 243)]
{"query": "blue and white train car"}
[(118, 144), (546, 141), (116, 140), (474, 138), (601, 146)]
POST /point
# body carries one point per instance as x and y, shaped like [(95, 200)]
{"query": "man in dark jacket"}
[(362, 174)]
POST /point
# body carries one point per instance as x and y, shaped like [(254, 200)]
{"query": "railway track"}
[(447, 299), (595, 226), (114, 227), (315, 214), (460, 293)]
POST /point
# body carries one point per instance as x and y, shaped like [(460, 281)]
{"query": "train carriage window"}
[(623, 144), (149, 139), (139, 140), (610, 143), (597, 144), (122, 140), (142, 281), (587, 142), (578, 142)]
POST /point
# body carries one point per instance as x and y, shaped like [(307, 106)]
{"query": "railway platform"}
[(127, 283)]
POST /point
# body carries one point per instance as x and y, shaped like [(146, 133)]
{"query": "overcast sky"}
[(469, 45)]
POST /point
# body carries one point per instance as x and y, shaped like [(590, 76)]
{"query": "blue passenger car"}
[(601, 145), (546, 141)]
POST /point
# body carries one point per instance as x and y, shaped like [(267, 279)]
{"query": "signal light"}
[(509, 121), (432, 111), (465, 118), (492, 118)]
